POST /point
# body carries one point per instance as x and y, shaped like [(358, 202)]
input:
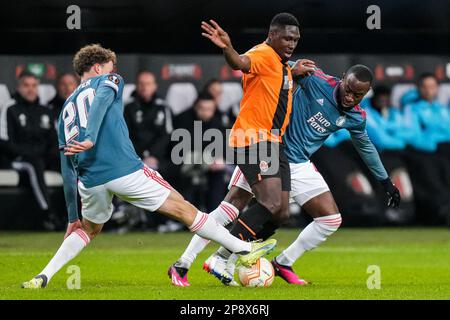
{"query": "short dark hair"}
[(284, 19), (361, 72), (144, 71), (425, 75), (27, 74), (209, 83), (203, 96), (62, 75), (381, 90)]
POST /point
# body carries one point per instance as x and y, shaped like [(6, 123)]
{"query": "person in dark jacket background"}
[(149, 121), (65, 85), (29, 138), (204, 184)]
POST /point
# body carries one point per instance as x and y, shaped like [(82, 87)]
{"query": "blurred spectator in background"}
[(409, 97), (65, 85), (29, 137), (214, 88), (149, 121), (386, 129), (203, 184), (428, 126)]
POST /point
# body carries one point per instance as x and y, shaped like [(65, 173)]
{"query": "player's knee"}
[(92, 233), (273, 205), (91, 229), (280, 214), (281, 217)]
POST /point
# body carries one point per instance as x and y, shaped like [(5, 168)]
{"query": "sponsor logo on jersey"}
[(320, 101), (318, 122)]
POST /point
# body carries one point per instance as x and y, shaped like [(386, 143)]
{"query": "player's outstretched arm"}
[(371, 158), (220, 38)]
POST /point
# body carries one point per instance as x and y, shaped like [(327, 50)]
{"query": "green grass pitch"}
[(414, 264)]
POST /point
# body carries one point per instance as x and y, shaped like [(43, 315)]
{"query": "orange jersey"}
[(267, 100)]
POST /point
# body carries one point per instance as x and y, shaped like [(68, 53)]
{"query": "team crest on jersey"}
[(263, 166), (113, 79), (340, 121)]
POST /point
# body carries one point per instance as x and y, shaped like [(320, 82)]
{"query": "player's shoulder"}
[(112, 77), (260, 49), (113, 80), (325, 79), (359, 115)]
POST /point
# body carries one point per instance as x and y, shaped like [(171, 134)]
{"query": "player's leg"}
[(272, 208), (235, 200), (96, 210), (228, 210), (68, 250), (146, 189), (254, 223), (176, 207), (312, 193), (238, 196), (327, 219)]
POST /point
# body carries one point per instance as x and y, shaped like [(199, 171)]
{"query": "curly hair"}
[(89, 55)]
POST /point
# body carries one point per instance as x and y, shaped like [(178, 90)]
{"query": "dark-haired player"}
[(322, 104), (98, 159), (256, 136)]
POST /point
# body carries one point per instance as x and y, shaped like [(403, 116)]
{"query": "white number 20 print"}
[(72, 109)]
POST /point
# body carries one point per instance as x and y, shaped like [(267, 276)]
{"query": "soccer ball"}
[(260, 274)]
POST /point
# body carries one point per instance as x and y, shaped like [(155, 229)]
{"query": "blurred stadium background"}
[(408, 110)]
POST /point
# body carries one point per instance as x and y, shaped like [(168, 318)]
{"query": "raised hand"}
[(216, 34)]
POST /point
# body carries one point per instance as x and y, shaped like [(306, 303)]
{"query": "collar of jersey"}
[(275, 53)]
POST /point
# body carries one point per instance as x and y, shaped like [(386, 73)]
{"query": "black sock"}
[(251, 222), (267, 230)]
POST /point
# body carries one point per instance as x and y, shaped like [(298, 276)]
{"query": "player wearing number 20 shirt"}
[(113, 154)]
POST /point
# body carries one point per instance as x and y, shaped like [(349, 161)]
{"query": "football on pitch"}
[(260, 274)]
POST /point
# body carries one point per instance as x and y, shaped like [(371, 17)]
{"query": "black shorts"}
[(264, 160)]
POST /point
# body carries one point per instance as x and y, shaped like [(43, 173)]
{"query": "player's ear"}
[(97, 68), (273, 32)]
